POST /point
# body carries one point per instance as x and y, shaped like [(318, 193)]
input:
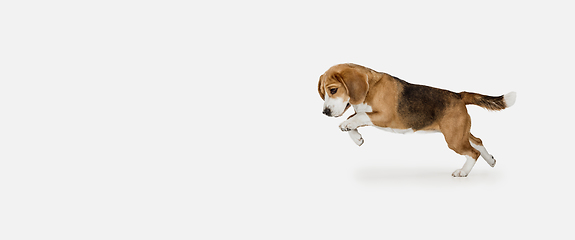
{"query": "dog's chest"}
[(362, 108)]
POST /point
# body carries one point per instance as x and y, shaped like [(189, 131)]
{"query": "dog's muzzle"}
[(327, 111)]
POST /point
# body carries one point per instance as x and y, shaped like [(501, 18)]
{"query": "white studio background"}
[(196, 120)]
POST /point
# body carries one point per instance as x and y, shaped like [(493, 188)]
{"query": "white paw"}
[(359, 142), (356, 137), (494, 162), (346, 126), (459, 173)]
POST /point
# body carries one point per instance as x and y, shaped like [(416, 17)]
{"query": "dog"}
[(392, 104)]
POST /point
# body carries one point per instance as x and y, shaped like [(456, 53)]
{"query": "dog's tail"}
[(489, 102)]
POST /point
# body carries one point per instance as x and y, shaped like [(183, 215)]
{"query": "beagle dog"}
[(391, 104)]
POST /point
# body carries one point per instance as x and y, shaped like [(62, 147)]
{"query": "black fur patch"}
[(419, 106)]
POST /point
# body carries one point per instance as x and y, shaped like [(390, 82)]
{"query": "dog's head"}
[(340, 87)]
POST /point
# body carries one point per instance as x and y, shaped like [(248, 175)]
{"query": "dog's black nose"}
[(327, 112)]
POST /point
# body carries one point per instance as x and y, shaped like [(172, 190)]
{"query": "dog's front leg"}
[(356, 137), (351, 125), (355, 121)]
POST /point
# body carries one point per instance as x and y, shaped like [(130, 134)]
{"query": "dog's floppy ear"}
[(356, 84), (320, 87)]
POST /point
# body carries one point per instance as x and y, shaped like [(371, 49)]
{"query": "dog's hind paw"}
[(459, 173)]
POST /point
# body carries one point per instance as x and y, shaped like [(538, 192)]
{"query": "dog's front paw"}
[(356, 137), (459, 173), (359, 142), (345, 126), (494, 161)]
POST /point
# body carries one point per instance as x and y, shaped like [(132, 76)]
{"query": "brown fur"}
[(487, 102), (401, 105), (354, 84)]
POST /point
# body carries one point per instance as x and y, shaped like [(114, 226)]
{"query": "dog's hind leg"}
[(464, 148), (455, 128), (478, 144)]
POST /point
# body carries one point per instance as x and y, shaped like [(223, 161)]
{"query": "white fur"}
[(396, 130), (428, 131), (359, 120), (510, 99), (356, 137), (405, 131), (469, 163), (484, 154), (354, 133), (362, 108), (336, 105)]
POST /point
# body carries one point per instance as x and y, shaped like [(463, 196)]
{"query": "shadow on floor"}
[(421, 175)]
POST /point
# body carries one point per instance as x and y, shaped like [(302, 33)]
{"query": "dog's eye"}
[(333, 91)]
